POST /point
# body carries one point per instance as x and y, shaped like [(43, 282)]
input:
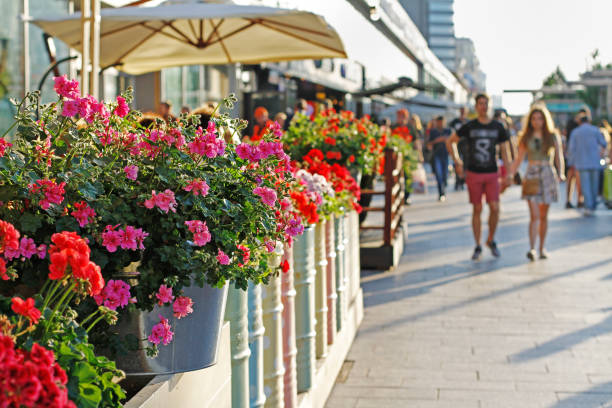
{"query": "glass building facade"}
[(12, 54)]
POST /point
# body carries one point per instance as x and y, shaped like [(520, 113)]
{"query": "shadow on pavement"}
[(563, 342), (477, 299), (594, 397)]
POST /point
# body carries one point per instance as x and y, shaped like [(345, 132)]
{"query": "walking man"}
[(586, 147), (437, 144), (482, 135)]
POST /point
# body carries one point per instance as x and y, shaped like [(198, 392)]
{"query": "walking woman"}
[(542, 146)]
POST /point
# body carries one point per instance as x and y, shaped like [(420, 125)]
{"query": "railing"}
[(394, 196), (310, 315)]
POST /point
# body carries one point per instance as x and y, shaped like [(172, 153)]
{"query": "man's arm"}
[(451, 147)]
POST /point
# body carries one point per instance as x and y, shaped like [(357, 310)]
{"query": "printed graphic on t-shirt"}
[(483, 153)]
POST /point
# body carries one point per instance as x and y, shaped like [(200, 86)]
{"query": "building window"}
[(442, 41), (441, 30), (446, 18), (441, 6)]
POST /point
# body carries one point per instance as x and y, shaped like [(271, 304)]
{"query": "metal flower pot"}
[(195, 341)]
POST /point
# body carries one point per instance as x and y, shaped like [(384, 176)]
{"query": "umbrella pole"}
[(85, 27), (26, 47), (94, 48)]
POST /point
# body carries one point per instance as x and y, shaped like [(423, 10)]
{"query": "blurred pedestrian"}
[(461, 146), (401, 128), (543, 147), (281, 119), (165, 111), (437, 144), (585, 150), (573, 179), (482, 135), (262, 122)]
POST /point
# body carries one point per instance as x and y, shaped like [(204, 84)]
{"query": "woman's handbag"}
[(531, 186)]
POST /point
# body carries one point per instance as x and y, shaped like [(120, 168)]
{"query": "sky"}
[(520, 42)]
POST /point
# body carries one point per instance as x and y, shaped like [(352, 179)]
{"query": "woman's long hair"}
[(417, 122), (548, 130)]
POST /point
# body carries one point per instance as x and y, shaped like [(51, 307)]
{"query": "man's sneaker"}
[(569, 205), (493, 247), (442, 198), (477, 253)]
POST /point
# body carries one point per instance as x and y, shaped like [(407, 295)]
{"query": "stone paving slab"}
[(443, 331)]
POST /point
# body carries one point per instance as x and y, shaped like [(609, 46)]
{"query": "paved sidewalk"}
[(443, 331)]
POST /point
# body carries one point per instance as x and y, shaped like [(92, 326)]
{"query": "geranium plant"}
[(172, 205), (342, 138), (46, 359)]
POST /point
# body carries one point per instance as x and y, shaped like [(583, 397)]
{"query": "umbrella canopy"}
[(144, 39)]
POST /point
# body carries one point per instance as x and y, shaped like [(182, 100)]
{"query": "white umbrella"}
[(144, 39)]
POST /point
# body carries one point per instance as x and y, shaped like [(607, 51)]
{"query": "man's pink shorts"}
[(482, 183)]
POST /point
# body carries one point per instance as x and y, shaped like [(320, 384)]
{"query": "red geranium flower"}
[(26, 308)]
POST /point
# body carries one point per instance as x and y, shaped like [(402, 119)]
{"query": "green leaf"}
[(84, 372), (89, 396), (30, 222), (91, 191)]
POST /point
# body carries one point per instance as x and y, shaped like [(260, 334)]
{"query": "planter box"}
[(206, 388), (195, 341)]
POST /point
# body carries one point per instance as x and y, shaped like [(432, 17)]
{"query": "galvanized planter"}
[(195, 341)]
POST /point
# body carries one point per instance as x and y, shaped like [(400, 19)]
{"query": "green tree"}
[(557, 77)]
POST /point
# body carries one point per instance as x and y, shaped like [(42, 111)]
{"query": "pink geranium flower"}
[(268, 195), (165, 201), (3, 146), (83, 213), (71, 108), (66, 88), (164, 295), (53, 192), (246, 255), (223, 258), (161, 332), (201, 234), (115, 294), (122, 108), (111, 238), (198, 187), (131, 172), (182, 306)]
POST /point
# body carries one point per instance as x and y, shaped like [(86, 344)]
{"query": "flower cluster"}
[(165, 201), (83, 213), (342, 139), (207, 144), (31, 378), (3, 146), (52, 192), (131, 172), (27, 248), (87, 107), (69, 256), (161, 332), (268, 195), (201, 234), (197, 187), (115, 294), (26, 308), (127, 238)]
